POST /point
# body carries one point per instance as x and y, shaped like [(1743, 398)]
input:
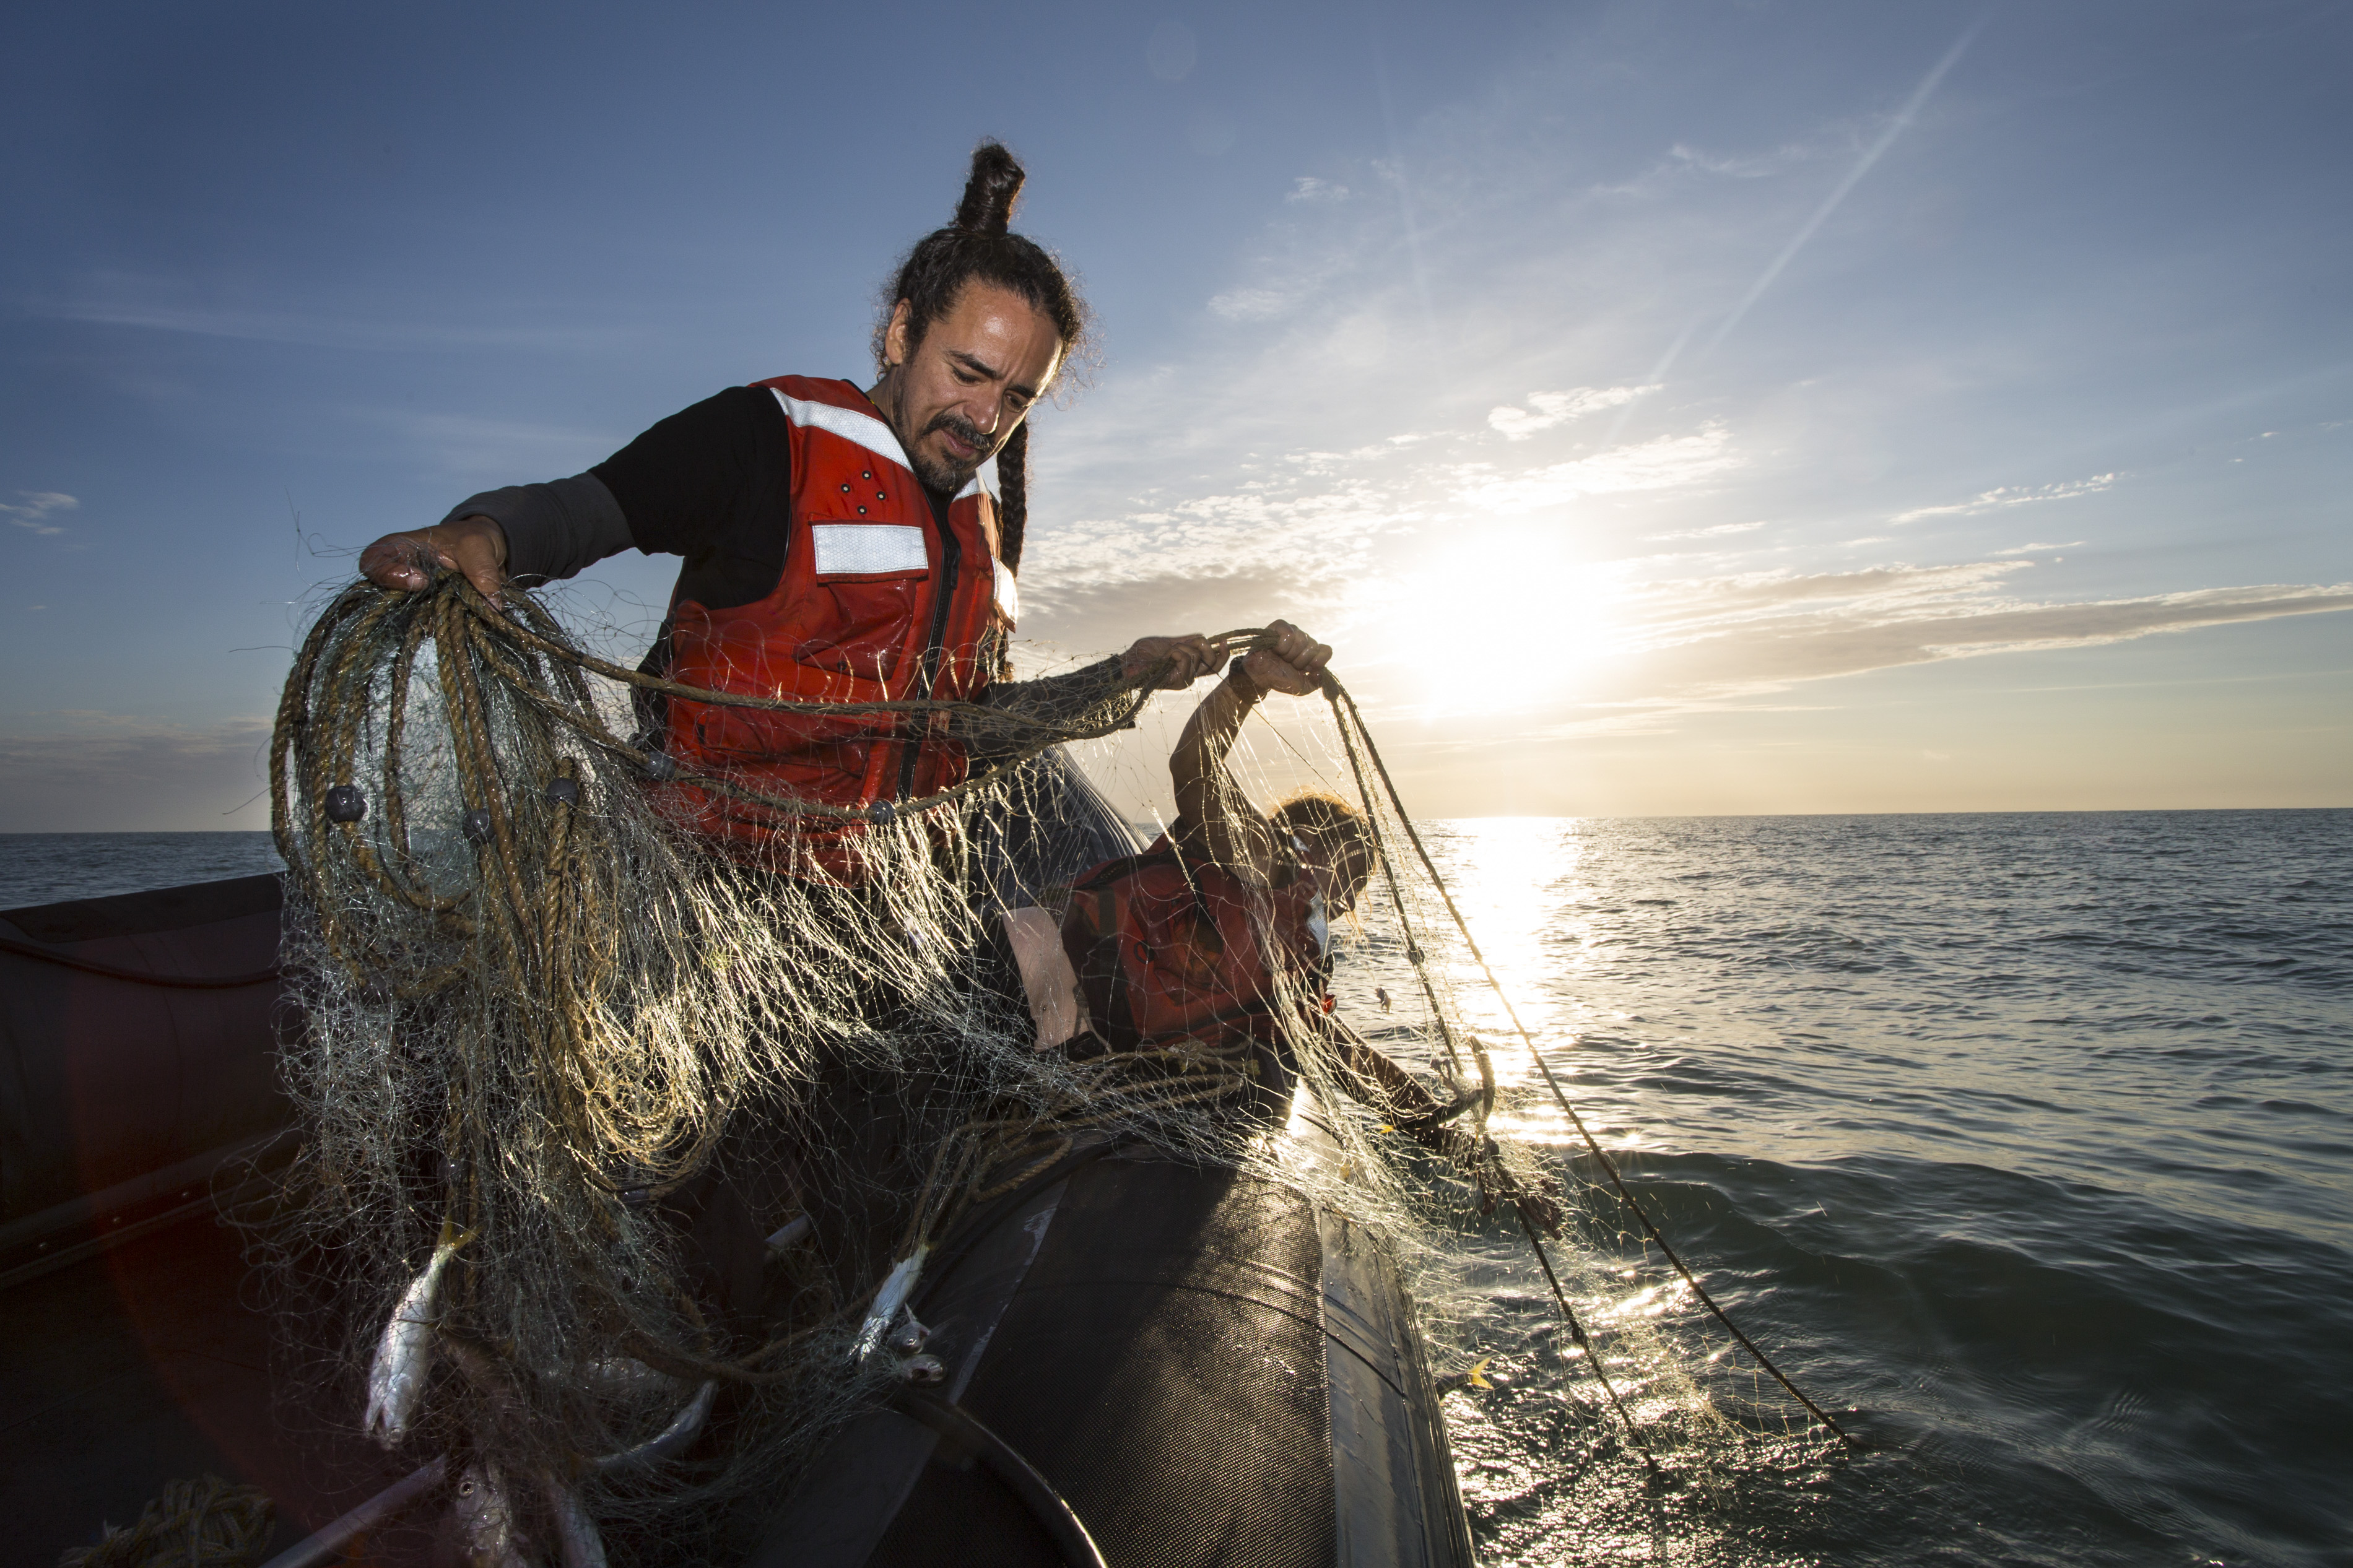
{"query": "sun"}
[(1506, 617)]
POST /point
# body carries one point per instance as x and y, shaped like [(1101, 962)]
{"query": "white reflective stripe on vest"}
[(1008, 592), (859, 429), (853, 549)]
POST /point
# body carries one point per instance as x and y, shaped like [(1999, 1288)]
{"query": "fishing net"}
[(631, 1132)]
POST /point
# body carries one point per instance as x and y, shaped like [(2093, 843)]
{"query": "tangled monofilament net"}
[(540, 1017), (545, 1023)]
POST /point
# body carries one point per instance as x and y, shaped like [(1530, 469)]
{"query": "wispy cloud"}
[(1308, 188), (37, 505), (1663, 462), (1684, 165), (1551, 408), (1253, 304), (1694, 646), (2012, 495), (1720, 531), (1737, 166), (2039, 549)]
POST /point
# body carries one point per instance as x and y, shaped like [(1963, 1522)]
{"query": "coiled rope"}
[(458, 619), (316, 742)]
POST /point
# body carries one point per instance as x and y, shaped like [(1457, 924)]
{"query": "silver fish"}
[(575, 1531), (893, 1295), (486, 1519), (405, 1354)]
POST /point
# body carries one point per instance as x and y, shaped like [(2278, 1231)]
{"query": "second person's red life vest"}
[(1168, 947), (872, 605)]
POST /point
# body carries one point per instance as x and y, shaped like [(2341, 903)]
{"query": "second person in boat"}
[(1215, 944)]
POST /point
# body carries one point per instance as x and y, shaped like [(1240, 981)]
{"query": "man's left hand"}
[(1192, 656)]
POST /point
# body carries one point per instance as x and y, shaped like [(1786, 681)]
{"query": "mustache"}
[(983, 443)]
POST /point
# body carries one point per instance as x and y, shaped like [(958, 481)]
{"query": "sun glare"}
[(1507, 619)]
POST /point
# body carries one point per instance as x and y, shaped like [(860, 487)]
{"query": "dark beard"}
[(945, 478)]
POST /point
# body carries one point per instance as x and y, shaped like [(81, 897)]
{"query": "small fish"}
[(887, 1302), (1475, 1377), (486, 1519), (405, 1354), (1381, 995), (575, 1531)]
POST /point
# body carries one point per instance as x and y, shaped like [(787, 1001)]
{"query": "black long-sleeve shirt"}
[(712, 483)]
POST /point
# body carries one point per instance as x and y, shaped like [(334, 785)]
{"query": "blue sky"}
[(1672, 407)]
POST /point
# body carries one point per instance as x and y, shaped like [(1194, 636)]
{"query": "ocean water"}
[(2024, 1143), (50, 868)]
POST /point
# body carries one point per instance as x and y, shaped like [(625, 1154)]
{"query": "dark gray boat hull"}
[(1205, 1368)]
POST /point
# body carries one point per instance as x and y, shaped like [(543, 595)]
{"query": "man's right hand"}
[(1189, 657), (474, 545)]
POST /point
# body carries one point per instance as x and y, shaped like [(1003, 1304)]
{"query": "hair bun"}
[(990, 192)]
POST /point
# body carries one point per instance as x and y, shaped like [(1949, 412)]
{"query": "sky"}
[(1662, 408)]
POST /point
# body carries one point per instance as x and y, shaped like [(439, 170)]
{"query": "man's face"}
[(959, 393)]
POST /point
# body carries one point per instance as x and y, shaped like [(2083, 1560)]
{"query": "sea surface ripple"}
[(2026, 1139)]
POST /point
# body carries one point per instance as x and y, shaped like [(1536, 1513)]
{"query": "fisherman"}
[(1220, 932), (841, 546)]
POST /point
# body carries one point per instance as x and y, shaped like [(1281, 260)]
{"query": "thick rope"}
[(453, 597)]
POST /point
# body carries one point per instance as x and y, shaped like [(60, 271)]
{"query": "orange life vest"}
[(1168, 946), (872, 605)]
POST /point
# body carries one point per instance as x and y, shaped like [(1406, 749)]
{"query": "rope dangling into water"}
[(1351, 725), (1576, 1332)]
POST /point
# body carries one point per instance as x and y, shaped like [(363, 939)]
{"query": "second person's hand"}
[(1290, 661)]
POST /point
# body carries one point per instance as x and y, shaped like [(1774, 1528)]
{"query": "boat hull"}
[(121, 1099), (1205, 1368)]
